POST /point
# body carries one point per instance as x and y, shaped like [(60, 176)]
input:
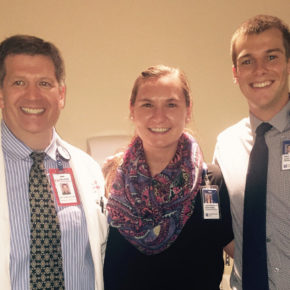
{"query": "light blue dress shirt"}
[(77, 258)]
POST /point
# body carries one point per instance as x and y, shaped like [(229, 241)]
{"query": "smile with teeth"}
[(159, 130), (261, 84), (34, 111)]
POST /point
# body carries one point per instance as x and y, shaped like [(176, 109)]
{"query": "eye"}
[(172, 105), (45, 84), (19, 83), (246, 62), (147, 105), (272, 57)]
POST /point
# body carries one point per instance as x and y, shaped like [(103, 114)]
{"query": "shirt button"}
[(276, 270)]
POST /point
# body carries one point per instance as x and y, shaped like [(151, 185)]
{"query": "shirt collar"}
[(16, 149), (280, 121)]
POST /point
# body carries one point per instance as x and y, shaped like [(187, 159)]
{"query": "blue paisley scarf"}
[(150, 212)]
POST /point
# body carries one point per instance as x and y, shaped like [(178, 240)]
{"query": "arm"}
[(230, 248), (216, 177)]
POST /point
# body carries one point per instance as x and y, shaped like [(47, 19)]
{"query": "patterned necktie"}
[(45, 245), (255, 272)]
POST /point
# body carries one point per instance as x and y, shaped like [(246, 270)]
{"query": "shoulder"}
[(76, 152), (232, 140), (109, 169), (87, 171), (237, 130), (215, 177), (81, 161), (111, 163), (214, 174)]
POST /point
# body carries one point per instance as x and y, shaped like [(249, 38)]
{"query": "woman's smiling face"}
[(160, 113)]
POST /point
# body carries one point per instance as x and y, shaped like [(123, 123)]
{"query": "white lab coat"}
[(90, 184)]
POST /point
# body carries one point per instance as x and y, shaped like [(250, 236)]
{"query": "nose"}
[(32, 92), (260, 67), (159, 114)]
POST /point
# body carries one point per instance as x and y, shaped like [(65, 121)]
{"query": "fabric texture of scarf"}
[(150, 212)]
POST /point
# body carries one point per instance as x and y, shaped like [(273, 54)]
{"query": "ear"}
[(235, 75), (62, 96), (1, 99), (188, 114), (131, 112), (288, 66)]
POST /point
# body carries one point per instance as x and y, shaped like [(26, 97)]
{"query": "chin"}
[(36, 129)]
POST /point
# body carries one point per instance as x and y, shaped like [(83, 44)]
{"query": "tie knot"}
[(37, 156), (263, 128)]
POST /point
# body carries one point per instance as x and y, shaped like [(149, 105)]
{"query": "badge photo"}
[(210, 202), (286, 155), (64, 187)]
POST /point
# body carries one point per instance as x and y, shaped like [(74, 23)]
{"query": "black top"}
[(193, 261)]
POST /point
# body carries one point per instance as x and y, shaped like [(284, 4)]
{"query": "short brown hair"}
[(259, 24), (30, 45)]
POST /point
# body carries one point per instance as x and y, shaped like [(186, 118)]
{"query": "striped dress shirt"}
[(77, 258)]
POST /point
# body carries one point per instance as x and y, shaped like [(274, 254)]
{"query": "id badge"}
[(64, 187), (210, 202), (286, 155)]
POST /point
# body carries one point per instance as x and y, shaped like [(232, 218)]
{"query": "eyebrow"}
[(143, 100), (275, 50), (149, 100), (172, 100), (267, 52)]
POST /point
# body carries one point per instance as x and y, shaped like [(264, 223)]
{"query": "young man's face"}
[(31, 97), (262, 72)]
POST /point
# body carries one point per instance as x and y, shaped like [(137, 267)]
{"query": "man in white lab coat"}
[(32, 95)]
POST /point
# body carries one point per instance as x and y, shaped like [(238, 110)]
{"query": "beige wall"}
[(107, 43)]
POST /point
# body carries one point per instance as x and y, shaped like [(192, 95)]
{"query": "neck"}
[(36, 141), (158, 159), (38, 145), (266, 114)]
